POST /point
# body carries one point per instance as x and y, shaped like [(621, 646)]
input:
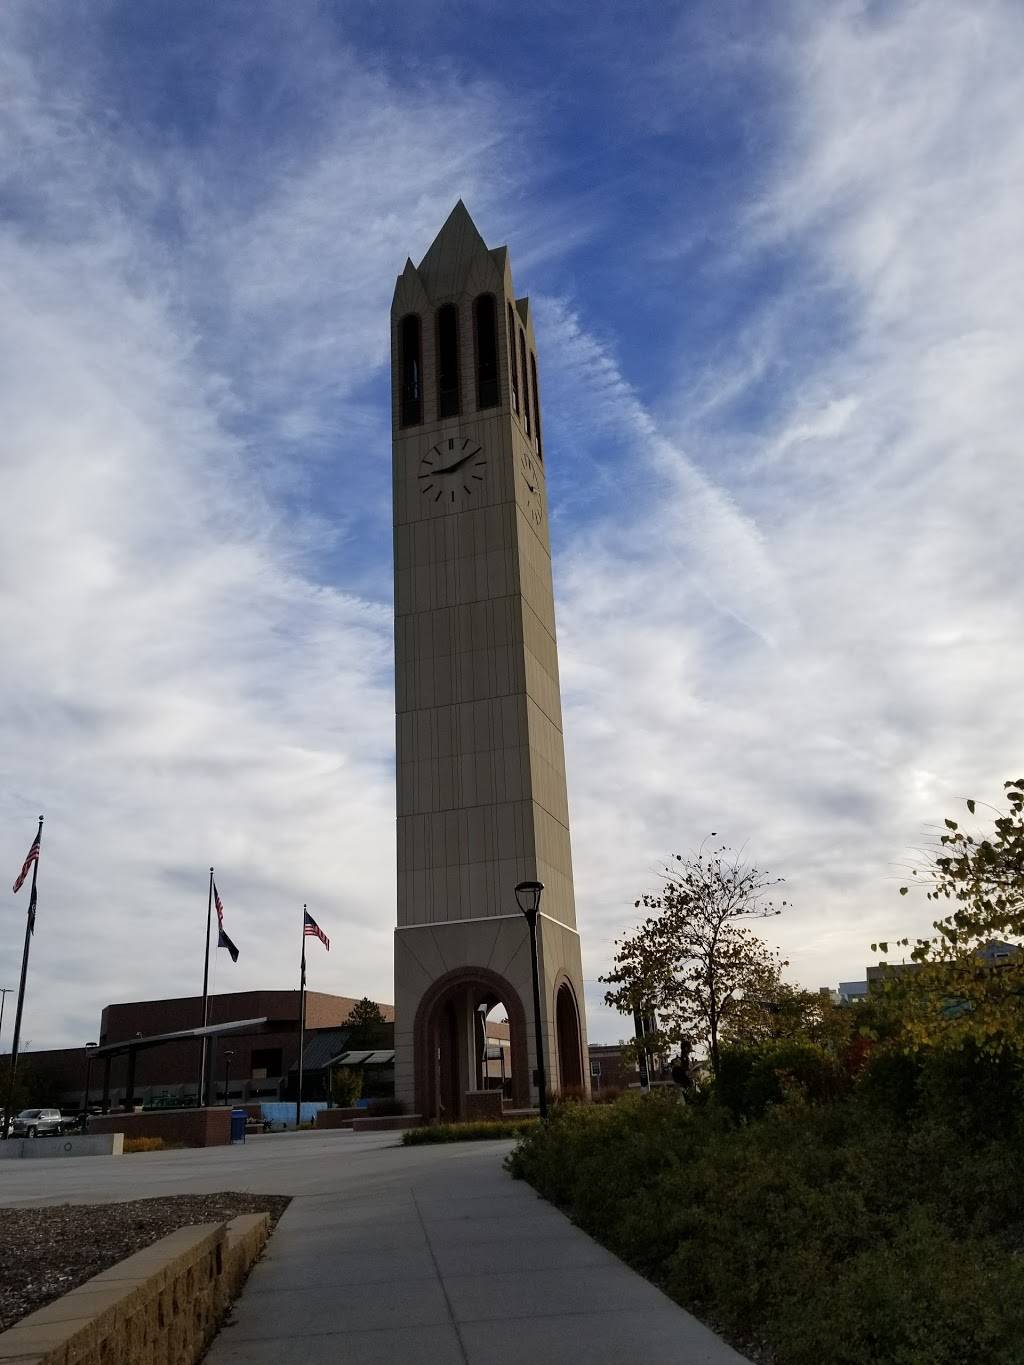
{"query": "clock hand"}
[(451, 468)]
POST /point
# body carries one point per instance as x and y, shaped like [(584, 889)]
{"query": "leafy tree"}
[(346, 1086), (960, 992), (693, 961), (772, 1011)]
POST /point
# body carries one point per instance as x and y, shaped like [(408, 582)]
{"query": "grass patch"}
[(480, 1131)]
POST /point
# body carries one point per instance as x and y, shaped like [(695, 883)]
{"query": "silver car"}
[(37, 1123)]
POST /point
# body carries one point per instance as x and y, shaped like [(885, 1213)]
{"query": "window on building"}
[(266, 1061), (485, 329), (595, 1068), (410, 350), (536, 405), (448, 361), (513, 363), (526, 383)]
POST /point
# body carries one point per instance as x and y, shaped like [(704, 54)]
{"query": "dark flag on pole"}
[(32, 912), (222, 939), (310, 929), (32, 857), (224, 942)]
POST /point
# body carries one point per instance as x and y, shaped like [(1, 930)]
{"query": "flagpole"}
[(302, 1019), (206, 996), (30, 923)]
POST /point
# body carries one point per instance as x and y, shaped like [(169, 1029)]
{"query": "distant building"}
[(262, 1064), (995, 953), (252, 1053), (612, 1067)]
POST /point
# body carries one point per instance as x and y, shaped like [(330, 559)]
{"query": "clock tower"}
[(482, 799)]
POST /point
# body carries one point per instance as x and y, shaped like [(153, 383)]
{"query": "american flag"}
[(311, 928), (33, 856), (218, 907)]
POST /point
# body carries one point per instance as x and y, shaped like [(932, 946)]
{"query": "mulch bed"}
[(45, 1252)]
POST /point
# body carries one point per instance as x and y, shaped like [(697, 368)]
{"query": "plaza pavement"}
[(403, 1255)]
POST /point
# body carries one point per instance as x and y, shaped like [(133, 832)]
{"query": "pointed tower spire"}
[(453, 254)]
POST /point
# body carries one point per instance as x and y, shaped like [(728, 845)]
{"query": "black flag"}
[(224, 942)]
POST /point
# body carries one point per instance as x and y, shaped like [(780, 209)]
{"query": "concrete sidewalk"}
[(409, 1255), (447, 1261)]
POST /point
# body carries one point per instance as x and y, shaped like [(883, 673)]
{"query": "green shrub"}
[(480, 1131), (889, 1081), (751, 1078), (827, 1232)]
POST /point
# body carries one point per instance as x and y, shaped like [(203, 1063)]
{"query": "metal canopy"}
[(363, 1058), (182, 1035)]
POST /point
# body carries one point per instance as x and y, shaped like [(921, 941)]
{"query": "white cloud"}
[(179, 688), (786, 590), (865, 533)]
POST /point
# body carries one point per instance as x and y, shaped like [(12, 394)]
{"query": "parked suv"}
[(38, 1123)]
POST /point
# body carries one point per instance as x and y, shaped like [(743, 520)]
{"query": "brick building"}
[(261, 1065)]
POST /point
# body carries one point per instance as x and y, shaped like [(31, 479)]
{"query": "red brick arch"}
[(568, 1034), (425, 1024)]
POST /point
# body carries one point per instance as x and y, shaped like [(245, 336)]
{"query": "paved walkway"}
[(410, 1256)]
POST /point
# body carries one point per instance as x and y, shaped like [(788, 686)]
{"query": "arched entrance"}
[(449, 1043), (567, 1032)]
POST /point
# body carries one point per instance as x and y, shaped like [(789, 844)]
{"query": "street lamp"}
[(481, 1009), (227, 1068), (89, 1050), (528, 895)]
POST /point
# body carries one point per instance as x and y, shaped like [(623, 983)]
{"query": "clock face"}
[(453, 471), (534, 493)]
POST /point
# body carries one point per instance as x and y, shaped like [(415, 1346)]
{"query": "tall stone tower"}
[(481, 770)]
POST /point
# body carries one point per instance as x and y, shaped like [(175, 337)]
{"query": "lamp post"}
[(481, 1010), (89, 1050), (528, 895), (227, 1068)]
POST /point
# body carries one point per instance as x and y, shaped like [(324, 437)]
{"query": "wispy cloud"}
[(872, 498), (779, 299)]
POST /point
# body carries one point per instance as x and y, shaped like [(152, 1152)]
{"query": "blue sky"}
[(773, 252)]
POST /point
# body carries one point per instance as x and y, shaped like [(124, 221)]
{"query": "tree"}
[(364, 1014), (964, 990), (692, 961), (772, 1011), (366, 1022), (346, 1086)]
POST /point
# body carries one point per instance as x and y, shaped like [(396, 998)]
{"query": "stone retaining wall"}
[(75, 1144), (161, 1306)]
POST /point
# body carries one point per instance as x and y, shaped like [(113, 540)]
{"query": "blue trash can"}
[(238, 1122)]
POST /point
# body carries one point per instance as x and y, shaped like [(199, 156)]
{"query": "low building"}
[(254, 1062)]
